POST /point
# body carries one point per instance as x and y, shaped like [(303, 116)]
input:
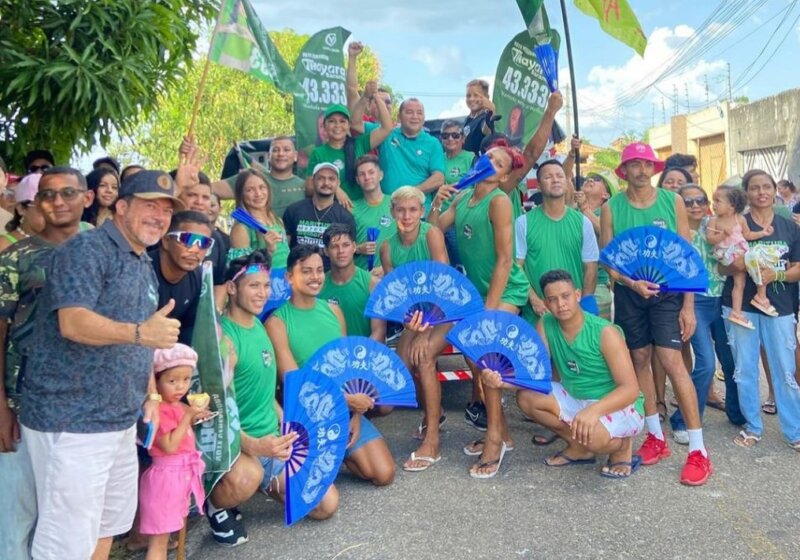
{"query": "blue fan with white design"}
[(439, 291), (279, 292), (507, 344), (360, 365), (481, 169), (314, 408), (657, 255)]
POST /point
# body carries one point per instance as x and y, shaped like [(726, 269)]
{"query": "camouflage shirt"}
[(22, 277)]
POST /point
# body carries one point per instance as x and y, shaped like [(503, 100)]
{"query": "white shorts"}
[(620, 424), (86, 488)]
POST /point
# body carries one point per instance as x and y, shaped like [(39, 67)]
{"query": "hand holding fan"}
[(659, 256), (507, 344), (481, 169), (372, 237), (360, 365), (279, 291), (314, 408), (439, 291), (241, 215)]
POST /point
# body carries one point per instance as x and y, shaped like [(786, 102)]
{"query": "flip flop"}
[(634, 464), (746, 439), (768, 310), (746, 323), (542, 439), (429, 460), (769, 407), (483, 465), (470, 453), (420, 433), (569, 461), (794, 445), (719, 405)]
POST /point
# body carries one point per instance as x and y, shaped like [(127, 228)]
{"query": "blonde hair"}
[(483, 84), (408, 193)]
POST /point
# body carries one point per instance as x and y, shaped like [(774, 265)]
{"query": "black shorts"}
[(648, 321)]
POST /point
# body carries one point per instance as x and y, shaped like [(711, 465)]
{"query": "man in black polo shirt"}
[(305, 221), (177, 266), (96, 327)]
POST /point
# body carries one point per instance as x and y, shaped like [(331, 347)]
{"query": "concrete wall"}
[(772, 121)]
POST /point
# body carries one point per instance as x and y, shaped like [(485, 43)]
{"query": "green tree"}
[(234, 107), (74, 71)]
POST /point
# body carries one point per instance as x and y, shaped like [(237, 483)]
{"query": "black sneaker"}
[(227, 527), (475, 415)]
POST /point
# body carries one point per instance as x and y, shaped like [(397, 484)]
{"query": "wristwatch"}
[(153, 397)]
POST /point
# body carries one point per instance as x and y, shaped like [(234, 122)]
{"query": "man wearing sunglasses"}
[(177, 262), (37, 161), (61, 198)]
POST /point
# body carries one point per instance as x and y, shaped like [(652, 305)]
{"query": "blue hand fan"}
[(279, 291), (548, 60), (241, 215), (657, 255), (372, 237), (507, 344), (314, 408), (481, 169), (441, 292), (360, 365)]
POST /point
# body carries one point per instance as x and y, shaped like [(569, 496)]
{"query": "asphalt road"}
[(749, 508)]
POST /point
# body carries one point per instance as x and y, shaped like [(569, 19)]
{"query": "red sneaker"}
[(697, 469), (653, 450)]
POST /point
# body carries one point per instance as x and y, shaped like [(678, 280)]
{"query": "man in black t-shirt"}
[(776, 333), (305, 221), (177, 262)]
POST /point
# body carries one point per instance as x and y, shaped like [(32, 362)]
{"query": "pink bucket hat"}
[(178, 355), (26, 189), (638, 150)]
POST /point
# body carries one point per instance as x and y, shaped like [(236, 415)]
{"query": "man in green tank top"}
[(374, 210), (596, 407), (264, 450), (650, 318), (537, 251), (349, 286)]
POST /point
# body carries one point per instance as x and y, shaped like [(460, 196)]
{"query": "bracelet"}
[(436, 208), (137, 335), (780, 276)]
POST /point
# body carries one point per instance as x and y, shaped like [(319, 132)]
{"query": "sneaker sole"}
[(663, 455), (241, 541), (699, 482), (471, 423)]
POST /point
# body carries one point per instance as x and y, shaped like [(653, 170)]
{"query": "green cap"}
[(337, 108)]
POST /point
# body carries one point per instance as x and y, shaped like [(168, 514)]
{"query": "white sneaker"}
[(681, 437)]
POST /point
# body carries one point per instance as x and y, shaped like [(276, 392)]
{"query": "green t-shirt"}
[(661, 213), (367, 216), (602, 274), (280, 255), (284, 191), (409, 161), (351, 297), (455, 168), (715, 280), (475, 240), (308, 330), (581, 365), (254, 378), (336, 156), (418, 251)]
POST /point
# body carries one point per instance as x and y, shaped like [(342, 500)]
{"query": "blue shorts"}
[(368, 433), (273, 468)]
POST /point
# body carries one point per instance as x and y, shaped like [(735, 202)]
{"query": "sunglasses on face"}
[(699, 201), (67, 194), (189, 239), (251, 269), (38, 168), (451, 135)]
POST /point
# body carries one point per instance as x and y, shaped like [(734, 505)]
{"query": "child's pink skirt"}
[(164, 492)]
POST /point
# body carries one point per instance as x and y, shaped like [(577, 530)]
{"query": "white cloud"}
[(445, 61)]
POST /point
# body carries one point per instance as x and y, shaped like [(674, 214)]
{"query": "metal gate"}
[(772, 160)]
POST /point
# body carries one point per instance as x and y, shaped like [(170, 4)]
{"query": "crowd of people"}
[(100, 279)]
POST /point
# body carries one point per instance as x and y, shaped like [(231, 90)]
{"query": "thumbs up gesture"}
[(159, 331)]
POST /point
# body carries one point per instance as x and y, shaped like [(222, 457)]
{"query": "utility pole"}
[(674, 99), (663, 111), (653, 118), (568, 114), (730, 93), (686, 91), (705, 77)]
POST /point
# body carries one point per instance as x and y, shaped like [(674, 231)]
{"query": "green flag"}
[(617, 19), (320, 72), (520, 89), (219, 438), (532, 13), (240, 42)]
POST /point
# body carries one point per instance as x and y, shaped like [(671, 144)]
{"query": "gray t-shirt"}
[(71, 387)]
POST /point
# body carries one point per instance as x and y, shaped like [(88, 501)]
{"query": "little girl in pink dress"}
[(167, 486)]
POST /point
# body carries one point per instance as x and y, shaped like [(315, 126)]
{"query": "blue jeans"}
[(777, 336), (17, 504), (710, 343)]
